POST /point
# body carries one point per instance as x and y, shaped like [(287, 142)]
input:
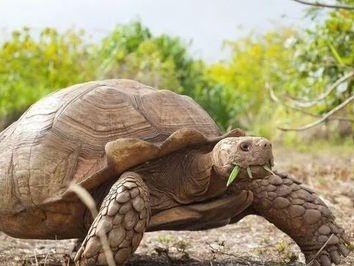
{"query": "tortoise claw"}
[(343, 250), (325, 261)]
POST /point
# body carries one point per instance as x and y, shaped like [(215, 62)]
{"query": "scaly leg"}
[(123, 218), (302, 215)]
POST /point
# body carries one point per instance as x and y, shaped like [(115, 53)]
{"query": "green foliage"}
[(299, 65), (131, 51), (254, 61), (323, 55), (234, 173), (31, 68), (163, 62)]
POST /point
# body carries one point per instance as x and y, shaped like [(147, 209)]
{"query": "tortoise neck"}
[(199, 162), (200, 168)]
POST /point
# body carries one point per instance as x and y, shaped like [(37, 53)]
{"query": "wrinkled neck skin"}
[(202, 168), (181, 178), (188, 176), (198, 167)]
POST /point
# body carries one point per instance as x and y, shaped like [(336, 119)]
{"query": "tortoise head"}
[(243, 157)]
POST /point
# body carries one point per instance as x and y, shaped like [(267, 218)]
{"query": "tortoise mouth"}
[(236, 169), (269, 163), (256, 162)]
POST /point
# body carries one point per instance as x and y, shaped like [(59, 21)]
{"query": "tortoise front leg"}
[(123, 218), (302, 215)]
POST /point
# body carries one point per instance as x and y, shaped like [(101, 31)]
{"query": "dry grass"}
[(90, 203)]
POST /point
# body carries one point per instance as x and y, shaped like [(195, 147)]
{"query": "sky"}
[(203, 23)]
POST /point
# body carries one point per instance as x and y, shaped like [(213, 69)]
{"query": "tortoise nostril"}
[(266, 144)]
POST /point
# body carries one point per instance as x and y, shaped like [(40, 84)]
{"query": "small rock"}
[(344, 201)]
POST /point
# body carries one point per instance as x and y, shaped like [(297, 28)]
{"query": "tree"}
[(32, 67), (325, 59), (241, 80)]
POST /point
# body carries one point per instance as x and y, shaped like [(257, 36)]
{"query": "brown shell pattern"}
[(62, 137)]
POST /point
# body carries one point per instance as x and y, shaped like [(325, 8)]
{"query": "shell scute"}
[(62, 138)]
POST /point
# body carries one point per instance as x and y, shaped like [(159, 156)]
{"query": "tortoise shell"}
[(62, 138)]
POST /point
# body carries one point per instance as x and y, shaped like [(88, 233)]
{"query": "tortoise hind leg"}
[(123, 218)]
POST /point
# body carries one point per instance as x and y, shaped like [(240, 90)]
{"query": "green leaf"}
[(335, 53), (233, 175), (249, 172), (268, 169)]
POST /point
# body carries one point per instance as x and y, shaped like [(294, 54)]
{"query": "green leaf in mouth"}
[(233, 175), (249, 172), (268, 169)]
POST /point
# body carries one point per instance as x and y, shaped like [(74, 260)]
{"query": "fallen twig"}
[(319, 252), (87, 199), (214, 250)]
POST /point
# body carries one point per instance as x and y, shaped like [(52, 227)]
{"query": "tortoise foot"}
[(120, 224), (334, 246), (302, 215)]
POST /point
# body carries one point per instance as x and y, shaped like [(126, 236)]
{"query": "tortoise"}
[(152, 160)]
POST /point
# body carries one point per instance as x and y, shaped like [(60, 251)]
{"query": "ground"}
[(253, 241)]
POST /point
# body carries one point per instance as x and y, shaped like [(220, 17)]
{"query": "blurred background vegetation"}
[(307, 73)]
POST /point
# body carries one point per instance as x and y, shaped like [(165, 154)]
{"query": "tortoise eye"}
[(245, 146)]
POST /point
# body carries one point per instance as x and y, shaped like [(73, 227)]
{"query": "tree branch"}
[(332, 87), (318, 4), (323, 119), (277, 100)]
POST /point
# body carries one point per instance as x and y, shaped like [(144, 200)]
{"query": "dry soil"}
[(253, 241)]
